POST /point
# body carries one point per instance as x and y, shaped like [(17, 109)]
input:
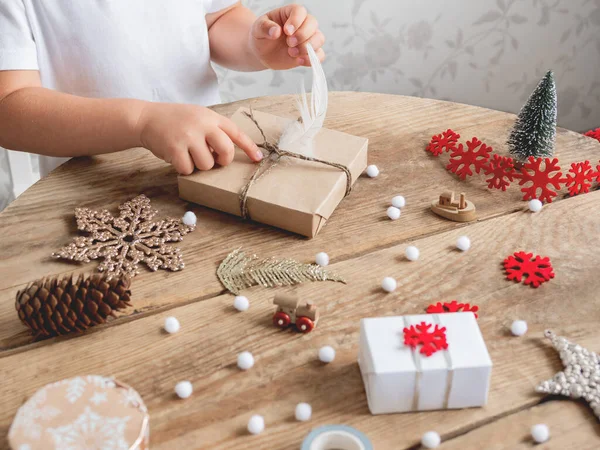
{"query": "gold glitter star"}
[(126, 240), (581, 377)]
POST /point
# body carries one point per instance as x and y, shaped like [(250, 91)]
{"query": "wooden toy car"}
[(288, 313), (460, 211)]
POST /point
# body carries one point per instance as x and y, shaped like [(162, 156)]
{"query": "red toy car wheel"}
[(304, 324), (281, 320)]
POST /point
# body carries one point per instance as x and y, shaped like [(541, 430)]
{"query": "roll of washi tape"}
[(336, 437)]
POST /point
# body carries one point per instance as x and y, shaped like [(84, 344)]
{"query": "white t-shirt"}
[(155, 50)]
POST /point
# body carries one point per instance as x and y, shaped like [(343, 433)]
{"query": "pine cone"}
[(53, 307)]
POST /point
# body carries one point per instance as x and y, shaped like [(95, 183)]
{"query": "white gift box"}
[(399, 378)]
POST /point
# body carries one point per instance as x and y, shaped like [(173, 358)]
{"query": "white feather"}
[(299, 136)]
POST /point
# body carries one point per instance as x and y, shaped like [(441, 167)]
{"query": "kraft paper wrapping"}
[(295, 195), (88, 412)]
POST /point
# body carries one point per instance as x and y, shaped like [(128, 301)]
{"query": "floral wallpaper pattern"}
[(489, 53)]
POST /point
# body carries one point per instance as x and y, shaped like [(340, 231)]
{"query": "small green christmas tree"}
[(534, 131)]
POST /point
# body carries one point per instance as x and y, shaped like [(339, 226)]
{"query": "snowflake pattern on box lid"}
[(430, 341), (69, 414)]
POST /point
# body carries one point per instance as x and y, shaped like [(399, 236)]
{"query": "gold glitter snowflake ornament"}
[(581, 376), (126, 240)]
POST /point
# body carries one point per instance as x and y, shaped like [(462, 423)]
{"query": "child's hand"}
[(190, 136), (279, 37)]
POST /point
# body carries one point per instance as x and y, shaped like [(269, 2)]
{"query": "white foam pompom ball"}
[(184, 389), (245, 360), (326, 354), (535, 205), (540, 433), (518, 327), (172, 325), (303, 412), (241, 303), (322, 259), (431, 439), (463, 243), (256, 424), (398, 201), (372, 171), (393, 213), (412, 253), (189, 219), (389, 284)]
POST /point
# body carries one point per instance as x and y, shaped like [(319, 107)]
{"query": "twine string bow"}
[(272, 158)]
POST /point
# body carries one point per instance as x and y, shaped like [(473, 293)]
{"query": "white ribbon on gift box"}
[(417, 360)]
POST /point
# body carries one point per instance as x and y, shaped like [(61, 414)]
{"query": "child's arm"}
[(48, 122), (276, 40)]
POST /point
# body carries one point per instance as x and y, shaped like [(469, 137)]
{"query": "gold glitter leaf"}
[(125, 241), (238, 271)]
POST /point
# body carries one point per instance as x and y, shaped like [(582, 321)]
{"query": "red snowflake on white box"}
[(523, 265), (502, 171), (476, 155), (430, 341), (443, 142), (580, 177), (453, 306), (541, 179)]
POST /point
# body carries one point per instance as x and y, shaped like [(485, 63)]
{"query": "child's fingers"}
[(202, 156), (309, 27), (182, 161), (221, 146), (296, 15), (317, 41), (305, 61), (241, 139), (265, 28)]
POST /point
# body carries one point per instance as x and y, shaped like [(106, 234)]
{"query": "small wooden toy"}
[(288, 313), (459, 211)]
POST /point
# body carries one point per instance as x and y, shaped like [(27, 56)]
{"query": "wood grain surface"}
[(364, 246)]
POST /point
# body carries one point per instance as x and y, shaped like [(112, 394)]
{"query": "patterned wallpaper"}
[(489, 53)]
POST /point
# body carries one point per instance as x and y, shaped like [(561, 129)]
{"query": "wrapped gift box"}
[(295, 195), (400, 378), (82, 413)]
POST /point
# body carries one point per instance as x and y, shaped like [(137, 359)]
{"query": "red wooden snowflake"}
[(540, 179), (523, 265), (443, 142), (476, 155), (430, 341), (502, 169), (594, 134), (453, 306), (580, 178)]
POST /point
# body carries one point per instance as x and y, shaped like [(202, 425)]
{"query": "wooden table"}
[(364, 246)]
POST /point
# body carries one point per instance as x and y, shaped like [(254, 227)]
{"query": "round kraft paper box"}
[(83, 413)]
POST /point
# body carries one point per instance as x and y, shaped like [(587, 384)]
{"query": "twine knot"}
[(271, 159)]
